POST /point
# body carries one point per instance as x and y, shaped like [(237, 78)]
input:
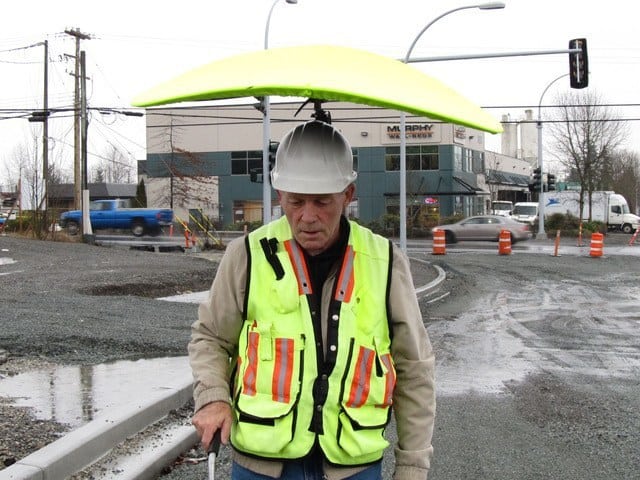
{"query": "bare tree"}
[(585, 135), (624, 174), (27, 167), (113, 167), (187, 182)]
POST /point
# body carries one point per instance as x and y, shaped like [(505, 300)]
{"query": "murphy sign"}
[(414, 131)]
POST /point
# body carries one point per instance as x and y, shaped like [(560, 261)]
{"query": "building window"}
[(457, 158), (478, 162), (429, 157), (243, 162), (466, 167), (419, 157), (392, 158)]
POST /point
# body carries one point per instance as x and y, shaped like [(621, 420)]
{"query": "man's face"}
[(315, 219)]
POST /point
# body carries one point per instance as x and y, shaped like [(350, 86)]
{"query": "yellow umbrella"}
[(324, 72)]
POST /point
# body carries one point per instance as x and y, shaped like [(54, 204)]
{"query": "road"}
[(538, 364), (539, 373), (538, 355)]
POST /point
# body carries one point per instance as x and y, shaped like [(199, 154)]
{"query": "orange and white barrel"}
[(504, 243), (597, 245), (439, 243)]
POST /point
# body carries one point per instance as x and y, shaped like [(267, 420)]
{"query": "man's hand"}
[(210, 418)]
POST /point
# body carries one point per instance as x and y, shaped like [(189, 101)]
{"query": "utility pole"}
[(45, 132), (77, 161), (43, 116), (87, 233)]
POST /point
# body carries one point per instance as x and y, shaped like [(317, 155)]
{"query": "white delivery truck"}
[(607, 207), (501, 207), (525, 212)]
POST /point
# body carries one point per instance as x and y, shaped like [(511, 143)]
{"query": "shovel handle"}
[(214, 446)]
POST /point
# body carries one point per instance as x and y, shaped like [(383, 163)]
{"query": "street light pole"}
[(266, 132), (403, 120), (541, 233)]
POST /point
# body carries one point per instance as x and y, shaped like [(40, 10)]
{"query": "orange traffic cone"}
[(504, 243), (187, 233), (580, 244), (556, 244), (597, 245), (439, 244)]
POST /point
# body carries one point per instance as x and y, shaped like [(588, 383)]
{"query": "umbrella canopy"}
[(324, 72)]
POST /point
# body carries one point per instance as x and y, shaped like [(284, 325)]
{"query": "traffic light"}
[(256, 175), (537, 180), (551, 182), (273, 148), (578, 64)]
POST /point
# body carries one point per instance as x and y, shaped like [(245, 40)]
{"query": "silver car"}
[(486, 228)]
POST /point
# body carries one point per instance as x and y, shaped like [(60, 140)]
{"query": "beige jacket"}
[(214, 341)]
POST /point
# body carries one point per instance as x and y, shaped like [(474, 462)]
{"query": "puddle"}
[(195, 297), (6, 261), (75, 395)]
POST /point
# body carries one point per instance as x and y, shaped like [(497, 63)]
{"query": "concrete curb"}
[(88, 443), (435, 282), (150, 463)]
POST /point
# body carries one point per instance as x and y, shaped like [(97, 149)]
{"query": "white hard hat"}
[(313, 158)]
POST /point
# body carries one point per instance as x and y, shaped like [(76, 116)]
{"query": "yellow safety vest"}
[(278, 410)]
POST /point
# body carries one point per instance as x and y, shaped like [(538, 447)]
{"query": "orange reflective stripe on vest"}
[(299, 266), (281, 381), (361, 380), (250, 374), (345, 280), (390, 382)]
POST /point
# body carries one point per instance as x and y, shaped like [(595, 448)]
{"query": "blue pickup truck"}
[(115, 214)]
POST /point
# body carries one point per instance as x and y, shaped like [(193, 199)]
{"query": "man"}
[(310, 334)]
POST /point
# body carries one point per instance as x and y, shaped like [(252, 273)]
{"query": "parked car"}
[(485, 227)]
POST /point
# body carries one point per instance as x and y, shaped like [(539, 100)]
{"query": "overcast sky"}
[(135, 45)]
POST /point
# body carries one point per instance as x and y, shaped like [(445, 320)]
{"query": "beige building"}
[(202, 157)]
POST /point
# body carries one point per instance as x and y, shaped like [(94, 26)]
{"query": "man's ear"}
[(349, 192)]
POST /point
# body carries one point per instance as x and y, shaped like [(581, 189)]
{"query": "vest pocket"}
[(367, 391), (269, 385), (368, 385), (358, 441), (268, 434)]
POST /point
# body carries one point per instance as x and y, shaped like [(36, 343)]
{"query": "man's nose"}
[(309, 213)]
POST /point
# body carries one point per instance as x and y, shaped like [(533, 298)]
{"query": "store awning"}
[(500, 178), (459, 187)]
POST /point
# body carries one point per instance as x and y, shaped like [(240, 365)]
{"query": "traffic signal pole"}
[(579, 78), (541, 233)]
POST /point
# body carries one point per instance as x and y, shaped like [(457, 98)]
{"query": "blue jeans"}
[(308, 468)]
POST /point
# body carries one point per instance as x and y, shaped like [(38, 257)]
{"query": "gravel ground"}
[(76, 304)]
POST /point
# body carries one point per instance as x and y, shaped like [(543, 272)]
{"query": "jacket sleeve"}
[(214, 335), (414, 397)]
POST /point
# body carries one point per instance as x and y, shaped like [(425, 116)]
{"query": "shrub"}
[(451, 219), (569, 225), (239, 226)]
